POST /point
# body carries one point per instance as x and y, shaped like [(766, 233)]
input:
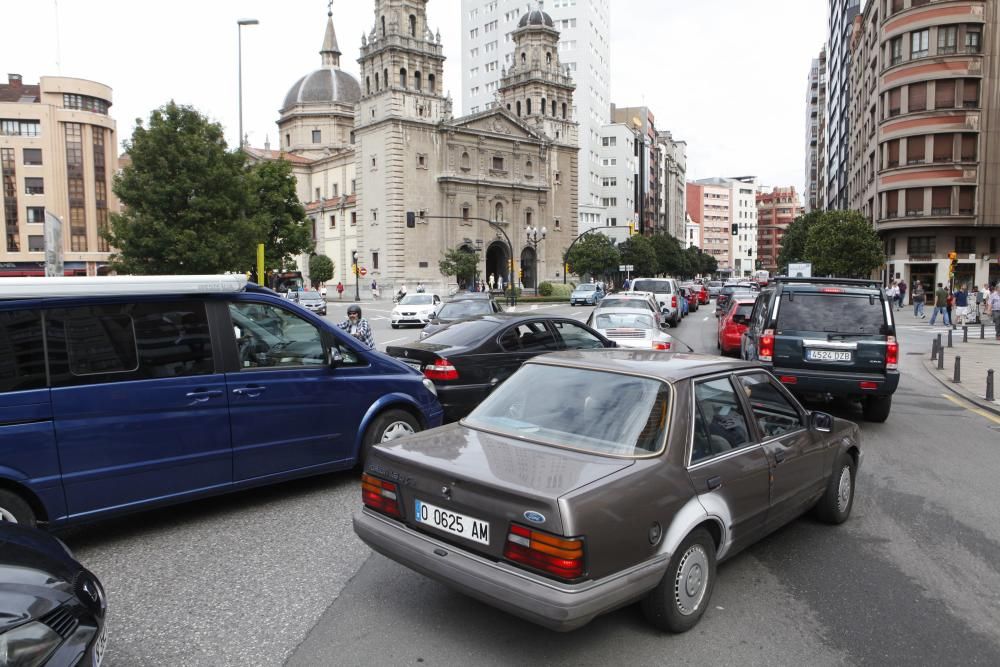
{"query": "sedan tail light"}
[(892, 353), (765, 351), (553, 555), (440, 369), (380, 496), (660, 346)]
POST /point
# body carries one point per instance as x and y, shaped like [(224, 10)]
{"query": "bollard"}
[(982, 330), (939, 342), (934, 349), (958, 370), (989, 385), (965, 333), (949, 338), (940, 358)]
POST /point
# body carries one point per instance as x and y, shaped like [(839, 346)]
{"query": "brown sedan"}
[(590, 480)]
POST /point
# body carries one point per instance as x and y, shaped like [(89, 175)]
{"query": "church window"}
[(558, 177), (556, 223), (498, 163), (336, 190), (543, 107), (376, 81), (527, 218), (333, 221), (519, 109), (317, 136), (465, 160), (524, 58), (416, 80), (422, 161), (368, 83), (288, 141), (548, 58), (529, 107), (430, 83), (499, 207), (375, 261), (465, 213), (564, 110), (374, 163), (402, 77), (354, 217), (528, 169), (508, 106), (413, 25), (319, 194), (354, 185), (383, 26), (553, 109)]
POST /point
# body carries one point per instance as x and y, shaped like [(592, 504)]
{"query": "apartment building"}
[(840, 30), (815, 127), (710, 207), (673, 184), (619, 167), (775, 212), (648, 154), (57, 155), (923, 168), (585, 51)]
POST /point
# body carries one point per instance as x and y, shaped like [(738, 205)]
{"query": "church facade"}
[(367, 153)]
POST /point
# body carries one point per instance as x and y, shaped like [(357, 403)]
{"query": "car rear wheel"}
[(680, 599), (13, 509), (876, 408), (838, 499), (394, 326), (388, 426)]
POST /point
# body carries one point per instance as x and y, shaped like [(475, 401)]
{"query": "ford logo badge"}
[(534, 517)]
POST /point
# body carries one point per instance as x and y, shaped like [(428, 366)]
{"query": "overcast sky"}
[(727, 76)]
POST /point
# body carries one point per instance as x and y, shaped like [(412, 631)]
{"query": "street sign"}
[(363, 271), (622, 268)]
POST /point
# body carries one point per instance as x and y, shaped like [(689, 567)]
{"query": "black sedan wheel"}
[(14, 510), (835, 505), (680, 599)]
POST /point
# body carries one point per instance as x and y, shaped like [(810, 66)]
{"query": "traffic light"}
[(952, 264), (411, 219), (736, 229)]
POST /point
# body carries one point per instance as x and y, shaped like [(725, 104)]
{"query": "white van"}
[(668, 296)]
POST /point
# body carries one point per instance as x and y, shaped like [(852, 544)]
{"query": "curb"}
[(959, 390)]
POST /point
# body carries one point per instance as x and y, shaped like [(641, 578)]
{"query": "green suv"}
[(828, 336)]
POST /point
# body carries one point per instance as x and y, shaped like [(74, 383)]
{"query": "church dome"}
[(327, 85), (536, 17)]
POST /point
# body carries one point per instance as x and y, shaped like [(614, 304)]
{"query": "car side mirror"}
[(333, 357), (822, 422)]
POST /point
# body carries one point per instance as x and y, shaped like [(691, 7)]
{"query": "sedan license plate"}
[(453, 522), (828, 355)]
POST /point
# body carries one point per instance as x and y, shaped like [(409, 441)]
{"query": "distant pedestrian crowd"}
[(958, 305)]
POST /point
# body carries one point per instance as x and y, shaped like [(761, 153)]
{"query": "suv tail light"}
[(380, 496), (765, 351), (554, 555), (673, 301), (440, 369), (891, 353), (660, 346)]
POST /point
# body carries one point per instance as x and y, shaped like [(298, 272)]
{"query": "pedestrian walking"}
[(950, 302), (420, 287), (892, 293), (961, 297), (994, 305), (340, 289), (374, 289), (902, 295), (940, 305), (919, 298), (357, 326), (492, 281)]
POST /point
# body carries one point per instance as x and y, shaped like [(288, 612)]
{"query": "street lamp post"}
[(239, 38), (357, 287), (535, 237)]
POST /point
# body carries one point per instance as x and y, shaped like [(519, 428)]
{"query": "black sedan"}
[(469, 359), (461, 307), (52, 610)]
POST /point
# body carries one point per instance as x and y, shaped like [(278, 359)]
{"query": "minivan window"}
[(133, 341), (22, 356), (655, 286), (833, 313), (271, 337)]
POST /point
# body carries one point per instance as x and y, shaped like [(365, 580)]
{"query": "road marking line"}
[(705, 319), (964, 404)]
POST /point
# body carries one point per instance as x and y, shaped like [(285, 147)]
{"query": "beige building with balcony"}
[(926, 117), (57, 155)]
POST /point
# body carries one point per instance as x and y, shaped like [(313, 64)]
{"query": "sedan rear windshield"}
[(623, 321), (612, 302), (832, 313), (470, 332), (594, 411), (655, 286)]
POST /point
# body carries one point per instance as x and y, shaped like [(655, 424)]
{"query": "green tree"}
[(844, 244), (793, 243), (320, 269), (460, 263), (692, 262), (182, 198), (668, 254), (595, 254), (708, 264), (638, 251), (277, 214)]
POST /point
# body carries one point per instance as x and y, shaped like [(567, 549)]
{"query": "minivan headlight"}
[(29, 645)]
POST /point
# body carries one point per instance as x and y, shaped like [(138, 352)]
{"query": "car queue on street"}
[(217, 385)]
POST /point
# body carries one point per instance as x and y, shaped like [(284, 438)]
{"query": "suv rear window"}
[(655, 286), (833, 313)]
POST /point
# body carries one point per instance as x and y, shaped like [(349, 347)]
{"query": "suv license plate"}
[(453, 522), (827, 355)]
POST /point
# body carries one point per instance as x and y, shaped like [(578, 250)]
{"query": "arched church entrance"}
[(496, 263)]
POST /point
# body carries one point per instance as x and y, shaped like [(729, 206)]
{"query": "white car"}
[(633, 328), (415, 310)]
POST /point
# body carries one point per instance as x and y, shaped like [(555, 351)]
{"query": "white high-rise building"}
[(618, 167), (585, 51)]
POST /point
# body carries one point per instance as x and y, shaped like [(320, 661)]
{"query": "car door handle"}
[(252, 392), (714, 483), (201, 395), (779, 456)]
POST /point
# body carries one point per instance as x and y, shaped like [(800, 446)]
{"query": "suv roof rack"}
[(857, 282), (61, 286)]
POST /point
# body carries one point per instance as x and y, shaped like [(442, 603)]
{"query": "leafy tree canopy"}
[(595, 254), (844, 244), (320, 269), (182, 195), (278, 217), (638, 251), (793, 243), (668, 254), (460, 263)]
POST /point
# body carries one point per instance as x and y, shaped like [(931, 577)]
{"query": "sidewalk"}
[(978, 355)]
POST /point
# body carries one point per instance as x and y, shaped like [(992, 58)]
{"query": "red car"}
[(733, 324), (702, 293), (692, 297)]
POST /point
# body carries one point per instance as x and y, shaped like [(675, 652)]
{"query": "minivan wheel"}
[(13, 509), (838, 499), (388, 426), (680, 599), (876, 408)]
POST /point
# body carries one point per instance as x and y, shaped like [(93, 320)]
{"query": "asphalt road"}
[(276, 575)]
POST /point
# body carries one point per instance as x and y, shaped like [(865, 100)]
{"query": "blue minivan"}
[(122, 393)]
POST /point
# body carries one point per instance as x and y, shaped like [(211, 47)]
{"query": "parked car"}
[(312, 301), (828, 336), (460, 307), (733, 323), (414, 310), (714, 287), (590, 481), (641, 300), (733, 288), (469, 359), (586, 294), (691, 294), (667, 294), (631, 327), (52, 609), (146, 391), (702, 292)]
